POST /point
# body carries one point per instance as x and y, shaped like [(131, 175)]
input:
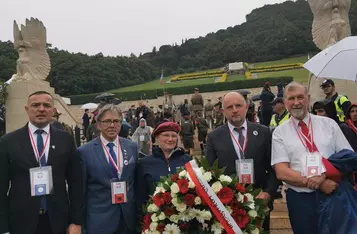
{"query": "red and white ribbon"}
[(211, 199)]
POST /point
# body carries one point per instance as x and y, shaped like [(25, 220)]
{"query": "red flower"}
[(245, 199), (225, 195), (159, 199), (147, 222), (167, 198), (235, 205), (184, 226), (240, 188), (160, 227), (241, 218), (174, 177), (189, 199), (169, 211), (183, 185)]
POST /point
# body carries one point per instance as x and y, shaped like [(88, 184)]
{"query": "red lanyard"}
[(38, 155), (117, 167), (242, 149), (302, 136)]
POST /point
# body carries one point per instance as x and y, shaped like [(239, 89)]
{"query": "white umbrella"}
[(337, 61), (89, 106)]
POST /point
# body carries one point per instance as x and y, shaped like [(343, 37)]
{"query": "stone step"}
[(280, 205), (279, 220), (281, 232)]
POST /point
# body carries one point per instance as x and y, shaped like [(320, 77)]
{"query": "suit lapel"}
[(51, 150), (126, 158), (252, 137), (99, 152), (24, 139), (228, 138)]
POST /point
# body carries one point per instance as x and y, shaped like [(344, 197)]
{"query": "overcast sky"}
[(119, 27)]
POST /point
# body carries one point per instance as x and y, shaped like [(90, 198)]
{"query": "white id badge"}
[(312, 165), (41, 181), (119, 192), (142, 138), (245, 171)]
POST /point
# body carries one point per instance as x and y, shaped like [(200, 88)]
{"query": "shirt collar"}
[(33, 128), (105, 141), (231, 127), (305, 120)]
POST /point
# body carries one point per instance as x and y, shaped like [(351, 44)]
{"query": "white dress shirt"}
[(115, 148), (287, 146), (236, 135), (46, 130)]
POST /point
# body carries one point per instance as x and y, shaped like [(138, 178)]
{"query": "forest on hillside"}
[(269, 33)]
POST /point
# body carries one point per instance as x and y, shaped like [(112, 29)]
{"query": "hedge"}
[(154, 93)]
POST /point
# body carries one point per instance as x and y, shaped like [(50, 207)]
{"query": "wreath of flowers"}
[(178, 207)]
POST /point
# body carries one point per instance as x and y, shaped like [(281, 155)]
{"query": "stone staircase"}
[(279, 218)]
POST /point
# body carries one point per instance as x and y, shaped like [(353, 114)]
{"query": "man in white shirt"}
[(109, 163), (292, 141)]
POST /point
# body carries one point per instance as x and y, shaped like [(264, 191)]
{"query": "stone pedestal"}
[(16, 100)]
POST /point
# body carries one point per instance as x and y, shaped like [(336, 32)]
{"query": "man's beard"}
[(298, 113)]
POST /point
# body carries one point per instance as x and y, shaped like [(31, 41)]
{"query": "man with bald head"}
[(37, 162), (244, 148)]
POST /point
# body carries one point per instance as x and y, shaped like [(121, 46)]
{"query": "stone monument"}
[(33, 67), (331, 24)]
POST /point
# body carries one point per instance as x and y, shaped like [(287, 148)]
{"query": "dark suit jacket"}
[(101, 215), (19, 211), (220, 146)]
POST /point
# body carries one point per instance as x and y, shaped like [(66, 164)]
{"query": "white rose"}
[(251, 206), (207, 176), (182, 174), (153, 226), (154, 218), (216, 186), (173, 195), (152, 208), (159, 190), (206, 215), (155, 232), (240, 198), (229, 209), (174, 188), (181, 207), (250, 197), (162, 216), (252, 213), (224, 178), (202, 170), (198, 201), (255, 231), (174, 201), (174, 218), (191, 185)]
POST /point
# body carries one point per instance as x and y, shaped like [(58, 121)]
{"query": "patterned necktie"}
[(241, 140), (39, 132), (114, 157)]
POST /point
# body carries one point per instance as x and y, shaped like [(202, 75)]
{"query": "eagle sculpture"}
[(331, 23), (30, 43)]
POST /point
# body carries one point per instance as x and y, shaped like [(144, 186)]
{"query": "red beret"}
[(165, 127)]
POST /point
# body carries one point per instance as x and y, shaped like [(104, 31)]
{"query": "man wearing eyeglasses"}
[(341, 102), (109, 163)]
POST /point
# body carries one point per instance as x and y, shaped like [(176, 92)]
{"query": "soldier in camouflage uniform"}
[(209, 113), (202, 127), (218, 116)]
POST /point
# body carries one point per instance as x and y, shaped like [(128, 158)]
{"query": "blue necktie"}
[(114, 157), (43, 202)]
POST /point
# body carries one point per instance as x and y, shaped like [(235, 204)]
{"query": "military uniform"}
[(209, 113), (197, 103), (218, 117)]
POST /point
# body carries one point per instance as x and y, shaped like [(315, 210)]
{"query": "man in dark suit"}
[(109, 160), (20, 151), (240, 140)]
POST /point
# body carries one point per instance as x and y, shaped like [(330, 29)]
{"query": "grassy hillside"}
[(300, 75)]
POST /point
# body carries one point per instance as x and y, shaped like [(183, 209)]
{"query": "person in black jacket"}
[(166, 158), (267, 109)]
